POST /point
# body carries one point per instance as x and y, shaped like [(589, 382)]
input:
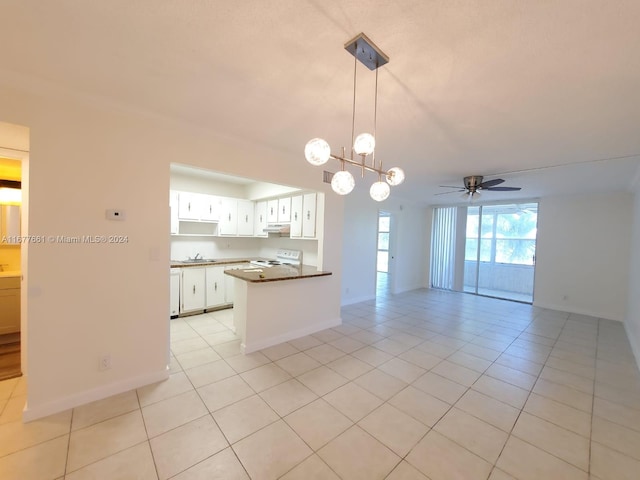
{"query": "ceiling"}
[(472, 88)]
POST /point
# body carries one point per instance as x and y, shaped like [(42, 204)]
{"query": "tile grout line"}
[(510, 433), (593, 397)]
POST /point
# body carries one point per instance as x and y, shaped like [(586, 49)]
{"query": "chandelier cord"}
[(353, 117), (375, 124)]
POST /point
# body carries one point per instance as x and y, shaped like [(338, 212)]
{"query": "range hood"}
[(284, 229)]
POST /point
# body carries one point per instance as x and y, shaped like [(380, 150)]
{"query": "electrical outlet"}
[(105, 362)]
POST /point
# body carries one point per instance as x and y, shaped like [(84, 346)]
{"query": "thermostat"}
[(115, 214)]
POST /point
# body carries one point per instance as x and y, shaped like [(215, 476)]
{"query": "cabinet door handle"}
[(295, 216), (189, 206), (260, 218), (246, 218), (229, 217), (308, 214), (194, 289), (215, 286), (283, 209), (210, 209), (271, 211)]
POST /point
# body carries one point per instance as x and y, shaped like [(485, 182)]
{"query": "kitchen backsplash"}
[(234, 247)]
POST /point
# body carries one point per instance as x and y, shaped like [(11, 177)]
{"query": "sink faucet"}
[(196, 257)]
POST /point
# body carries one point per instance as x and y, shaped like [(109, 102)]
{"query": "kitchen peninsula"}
[(277, 304)]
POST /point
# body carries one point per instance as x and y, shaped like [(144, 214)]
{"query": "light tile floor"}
[(423, 385)]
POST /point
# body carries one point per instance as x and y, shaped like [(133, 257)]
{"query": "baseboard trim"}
[(578, 311), (285, 337), (59, 405), (351, 301)]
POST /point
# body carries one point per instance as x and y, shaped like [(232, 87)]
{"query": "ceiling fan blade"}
[(503, 189), (445, 193), (491, 183), (449, 186)]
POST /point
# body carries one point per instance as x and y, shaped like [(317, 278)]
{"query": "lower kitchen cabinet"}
[(215, 282), (193, 289), (229, 281), (174, 295)]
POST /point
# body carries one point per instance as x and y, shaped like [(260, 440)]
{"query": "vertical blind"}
[(443, 247)]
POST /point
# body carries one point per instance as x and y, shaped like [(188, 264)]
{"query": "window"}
[(383, 242), (508, 234)]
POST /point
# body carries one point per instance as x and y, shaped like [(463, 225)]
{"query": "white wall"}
[(88, 300), (583, 249), (632, 320), (410, 243)]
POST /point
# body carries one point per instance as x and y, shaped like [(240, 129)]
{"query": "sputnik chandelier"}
[(318, 152)]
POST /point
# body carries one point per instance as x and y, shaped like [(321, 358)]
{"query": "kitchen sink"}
[(199, 260)]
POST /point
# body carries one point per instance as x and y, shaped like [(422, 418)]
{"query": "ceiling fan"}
[(473, 184)]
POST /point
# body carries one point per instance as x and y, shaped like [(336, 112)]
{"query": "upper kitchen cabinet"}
[(209, 208), (260, 217), (284, 210), (189, 206), (198, 207), (228, 224), (303, 216), (296, 216), (272, 211), (245, 218), (236, 217), (309, 204), (173, 208)]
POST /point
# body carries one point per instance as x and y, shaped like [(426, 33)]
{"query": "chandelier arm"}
[(344, 160)]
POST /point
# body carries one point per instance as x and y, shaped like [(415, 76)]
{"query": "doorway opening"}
[(14, 141), (382, 254)]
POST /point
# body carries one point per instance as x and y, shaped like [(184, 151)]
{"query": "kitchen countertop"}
[(207, 262), (277, 273), (10, 273)]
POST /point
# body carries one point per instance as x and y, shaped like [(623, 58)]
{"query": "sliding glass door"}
[(500, 248), (485, 250)]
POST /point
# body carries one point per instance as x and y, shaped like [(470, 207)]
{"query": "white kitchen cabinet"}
[(173, 208), (209, 208), (245, 218), (309, 204), (215, 281), (284, 210), (189, 206), (193, 293), (296, 216), (272, 211), (174, 292), (228, 224), (260, 218), (230, 281)]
